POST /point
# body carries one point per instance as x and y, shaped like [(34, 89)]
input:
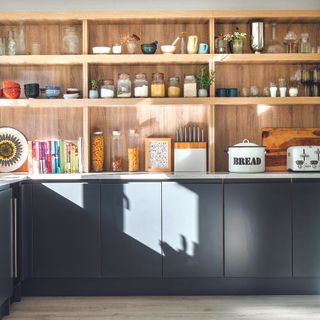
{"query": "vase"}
[(93, 94), (202, 92), (131, 46), (237, 46)]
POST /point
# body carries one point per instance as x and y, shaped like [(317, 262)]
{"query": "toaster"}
[(303, 158)]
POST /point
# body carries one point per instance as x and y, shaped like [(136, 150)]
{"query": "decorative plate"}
[(13, 149)]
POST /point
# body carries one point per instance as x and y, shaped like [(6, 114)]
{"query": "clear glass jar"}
[(124, 86), (190, 86), (157, 85), (107, 89), (305, 46), (12, 46), (97, 151), (70, 41), (141, 88), (116, 152), (174, 87), (133, 151), (221, 44), (183, 43), (2, 46)]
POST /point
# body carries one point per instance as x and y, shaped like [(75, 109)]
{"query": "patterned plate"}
[(13, 149)]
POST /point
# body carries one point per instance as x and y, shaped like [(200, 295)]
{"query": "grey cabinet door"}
[(306, 229), (66, 230), (131, 229), (258, 235), (6, 280), (192, 229)]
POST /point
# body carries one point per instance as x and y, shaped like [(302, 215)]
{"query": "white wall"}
[(64, 5)]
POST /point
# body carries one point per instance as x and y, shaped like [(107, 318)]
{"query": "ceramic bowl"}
[(53, 92), (72, 91), (168, 49), (11, 93), (149, 48), (71, 96), (32, 90), (101, 50)]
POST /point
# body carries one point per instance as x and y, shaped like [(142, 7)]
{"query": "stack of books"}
[(55, 156)]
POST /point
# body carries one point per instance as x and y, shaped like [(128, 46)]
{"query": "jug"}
[(192, 46)]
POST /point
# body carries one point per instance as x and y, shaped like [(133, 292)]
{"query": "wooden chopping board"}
[(277, 140)]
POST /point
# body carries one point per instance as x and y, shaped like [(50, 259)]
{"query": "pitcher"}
[(192, 46)]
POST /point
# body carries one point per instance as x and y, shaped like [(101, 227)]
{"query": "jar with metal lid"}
[(141, 89), (97, 151), (124, 86), (107, 89), (174, 87), (133, 151), (305, 46), (190, 86), (116, 152), (157, 85), (70, 41)]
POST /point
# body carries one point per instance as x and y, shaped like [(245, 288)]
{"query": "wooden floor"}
[(156, 308)]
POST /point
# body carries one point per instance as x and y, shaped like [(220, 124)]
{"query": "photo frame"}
[(158, 155)]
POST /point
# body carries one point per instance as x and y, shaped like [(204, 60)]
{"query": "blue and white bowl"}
[(53, 92)]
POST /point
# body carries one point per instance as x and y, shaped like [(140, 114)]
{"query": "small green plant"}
[(235, 36), (205, 79), (95, 84)]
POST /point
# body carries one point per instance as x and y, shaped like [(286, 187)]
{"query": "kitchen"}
[(154, 161)]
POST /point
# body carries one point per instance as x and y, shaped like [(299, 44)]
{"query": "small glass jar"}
[(12, 45), (190, 86), (116, 152), (107, 89), (97, 151), (174, 87), (305, 46), (141, 88), (221, 44), (124, 86), (157, 85), (70, 41), (133, 151)]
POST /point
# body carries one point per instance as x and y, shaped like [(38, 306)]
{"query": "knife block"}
[(190, 156)]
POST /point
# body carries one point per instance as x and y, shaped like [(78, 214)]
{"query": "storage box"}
[(190, 156)]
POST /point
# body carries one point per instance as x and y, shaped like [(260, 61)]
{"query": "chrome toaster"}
[(303, 158)]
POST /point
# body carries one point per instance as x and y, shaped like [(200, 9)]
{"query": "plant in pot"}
[(235, 41), (131, 41), (94, 91), (204, 80)]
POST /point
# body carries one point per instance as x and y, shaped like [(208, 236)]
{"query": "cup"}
[(232, 92), (116, 48), (273, 89), (203, 48), (35, 48), (221, 92), (32, 90)]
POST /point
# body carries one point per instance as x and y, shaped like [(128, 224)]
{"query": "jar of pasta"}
[(116, 152), (157, 85), (174, 87), (97, 151), (133, 151)]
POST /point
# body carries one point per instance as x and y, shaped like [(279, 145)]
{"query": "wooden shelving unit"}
[(227, 120)]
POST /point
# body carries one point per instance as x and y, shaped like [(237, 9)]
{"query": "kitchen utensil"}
[(101, 50), (149, 48), (303, 158), (257, 36), (192, 46), (175, 41), (168, 49), (246, 157)]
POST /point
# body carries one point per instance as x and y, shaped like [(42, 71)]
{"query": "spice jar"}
[(107, 89), (174, 87), (70, 41), (157, 85), (116, 148), (124, 86), (133, 151), (190, 86), (141, 88), (97, 151)]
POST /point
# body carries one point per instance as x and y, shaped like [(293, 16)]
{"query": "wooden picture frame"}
[(158, 155)]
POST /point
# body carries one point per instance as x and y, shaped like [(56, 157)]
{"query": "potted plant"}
[(131, 41), (204, 80), (236, 41), (94, 91)]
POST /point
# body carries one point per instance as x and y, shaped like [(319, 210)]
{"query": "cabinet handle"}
[(12, 238), (15, 237)]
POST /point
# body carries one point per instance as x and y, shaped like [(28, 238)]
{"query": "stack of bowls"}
[(31, 90), (11, 90), (53, 92), (72, 93)]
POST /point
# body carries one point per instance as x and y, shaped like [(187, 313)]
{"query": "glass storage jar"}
[(70, 41), (174, 87), (97, 151), (190, 86), (141, 89), (124, 86), (2, 46), (107, 89), (12, 46), (133, 151), (157, 85), (116, 152), (305, 46)]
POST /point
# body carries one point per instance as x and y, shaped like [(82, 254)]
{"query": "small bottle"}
[(190, 86), (157, 85), (97, 151), (141, 89), (133, 151), (116, 152), (12, 46), (174, 87), (124, 86)]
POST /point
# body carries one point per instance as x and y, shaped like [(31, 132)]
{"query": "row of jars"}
[(117, 161), (141, 86)]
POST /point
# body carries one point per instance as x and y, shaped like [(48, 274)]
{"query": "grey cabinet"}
[(306, 229), (66, 230), (6, 245), (131, 229), (192, 229), (258, 235)]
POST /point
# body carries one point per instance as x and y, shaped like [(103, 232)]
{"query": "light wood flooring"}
[(156, 308)]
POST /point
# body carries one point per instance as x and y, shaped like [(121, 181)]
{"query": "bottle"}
[(183, 41), (133, 151), (116, 152), (97, 151), (20, 39), (12, 46)]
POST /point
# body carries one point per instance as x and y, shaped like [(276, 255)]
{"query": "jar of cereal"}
[(97, 151)]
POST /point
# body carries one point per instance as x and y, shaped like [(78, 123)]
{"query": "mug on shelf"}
[(203, 48), (221, 92)]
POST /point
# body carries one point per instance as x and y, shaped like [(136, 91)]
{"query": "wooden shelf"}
[(42, 60), (267, 101), (265, 58)]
